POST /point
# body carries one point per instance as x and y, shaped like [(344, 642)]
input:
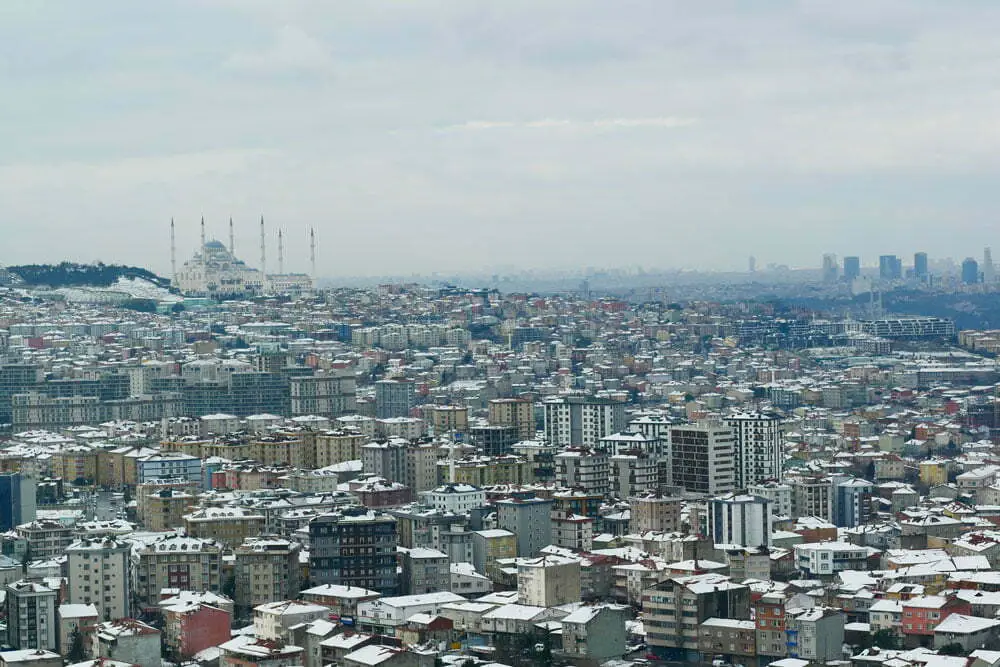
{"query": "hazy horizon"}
[(455, 137)]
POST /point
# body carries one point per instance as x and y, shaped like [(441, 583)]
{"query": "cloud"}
[(293, 50), (549, 123)]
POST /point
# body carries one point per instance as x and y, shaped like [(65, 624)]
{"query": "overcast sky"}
[(434, 135)]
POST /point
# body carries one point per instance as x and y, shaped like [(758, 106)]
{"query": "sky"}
[(468, 135)]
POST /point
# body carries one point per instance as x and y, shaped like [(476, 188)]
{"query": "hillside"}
[(70, 274)]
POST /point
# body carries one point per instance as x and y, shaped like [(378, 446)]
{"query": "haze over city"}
[(456, 136)]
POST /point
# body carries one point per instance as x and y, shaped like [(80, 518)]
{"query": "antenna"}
[(203, 233), (281, 255), (312, 252), (173, 253), (232, 238)]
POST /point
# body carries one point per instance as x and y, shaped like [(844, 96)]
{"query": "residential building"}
[(741, 519), (100, 574), (355, 547), (655, 512), (394, 398), (73, 620), (425, 571), (675, 608), (702, 458), (594, 633), (529, 520), (580, 421), (583, 468), (185, 563), (17, 500), (229, 526), (129, 641), (757, 448), (516, 412), (816, 634), (455, 498), (30, 608), (548, 581), (266, 569)]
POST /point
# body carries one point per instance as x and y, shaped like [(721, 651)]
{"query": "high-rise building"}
[(970, 271), (989, 270), (920, 270), (17, 500), (354, 547), (890, 267), (852, 502), (267, 569), (758, 447), (829, 268), (100, 574), (30, 607), (742, 520), (584, 469), (394, 398), (852, 268), (703, 458), (516, 412), (159, 565), (581, 421), (529, 520)]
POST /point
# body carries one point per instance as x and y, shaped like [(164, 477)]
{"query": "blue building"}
[(17, 500)]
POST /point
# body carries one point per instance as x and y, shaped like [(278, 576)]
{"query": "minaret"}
[(312, 252), (232, 238), (281, 255), (173, 254), (263, 257), (203, 233)]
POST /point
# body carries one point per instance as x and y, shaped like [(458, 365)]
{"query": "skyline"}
[(443, 137)]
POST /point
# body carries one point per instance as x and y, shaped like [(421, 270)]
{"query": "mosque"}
[(216, 272)]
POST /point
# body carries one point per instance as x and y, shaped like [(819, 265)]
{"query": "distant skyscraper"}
[(970, 271), (920, 266), (989, 271), (17, 500), (852, 268), (829, 268), (890, 267), (752, 264)]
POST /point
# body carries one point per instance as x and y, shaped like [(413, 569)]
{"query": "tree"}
[(77, 652), (885, 638), (954, 648)]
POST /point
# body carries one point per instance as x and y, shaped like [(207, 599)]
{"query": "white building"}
[(742, 520), (168, 465), (99, 574), (633, 474), (779, 493), (386, 615), (455, 498), (702, 458), (580, 421), (548, 581), (216, 272), (758, 447), (30, 606), (827, 558), (271, 621), (583, 468)]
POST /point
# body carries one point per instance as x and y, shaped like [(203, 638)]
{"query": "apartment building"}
[(100, 574), (356, 547), (702, 458), (267, 569), (186, 563), (30, 608)]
